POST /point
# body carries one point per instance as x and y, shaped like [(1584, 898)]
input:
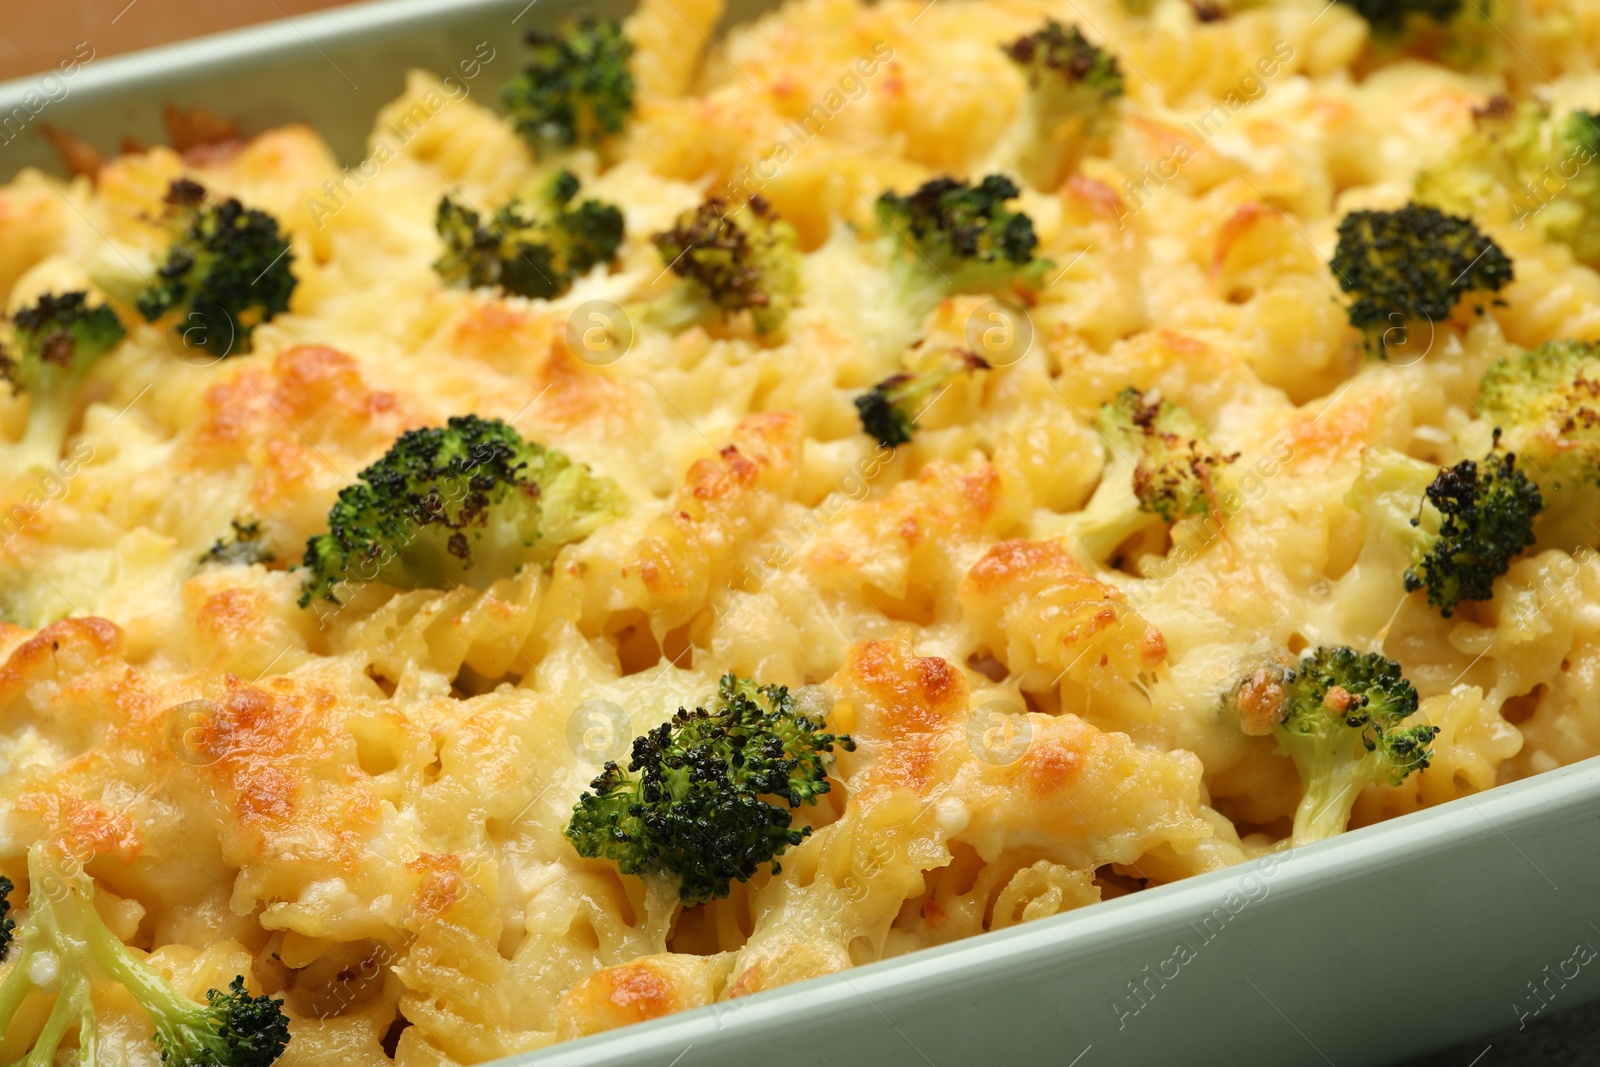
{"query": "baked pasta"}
[(717, 514)]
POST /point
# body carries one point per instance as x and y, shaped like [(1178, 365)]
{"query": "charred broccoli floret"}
[(1391, 17), (1072, 88), (1530, 164), (744, 259), (1547, 404), (707, 796), (1338, 714), (225, 272), (1412, 266), (950, 236), (66, 949), (577, 88), (467, 504), (889, 410), (1487, 515), (1451, 530), (534, 247), (1160, 468), (53, 344)]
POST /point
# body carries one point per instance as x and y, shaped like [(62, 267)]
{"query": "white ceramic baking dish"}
[(1368, 949)]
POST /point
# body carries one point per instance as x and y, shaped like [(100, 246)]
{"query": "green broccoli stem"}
[(1331, 780), (680, 307), (61, 1016), (178, 1018), (48, 420), (122, 274), (39, 939)]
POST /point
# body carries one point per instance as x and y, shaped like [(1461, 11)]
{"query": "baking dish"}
[(1369, 948)]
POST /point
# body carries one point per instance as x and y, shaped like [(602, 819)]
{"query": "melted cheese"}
[(362, 808)]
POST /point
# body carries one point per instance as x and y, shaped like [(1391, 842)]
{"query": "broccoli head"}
[(707, 796), (8, 925), (1530, 163), (1547, 403), (1339, 714), (466, 504), (577, 88), (732, 261), (66, 939), (1391, 17), (1160, 468), (53, 344), (225, 272), (950, 236), (1072, 86), (243, 547), (889, 410), (534, 247), (1411, 266), (1486, 520)]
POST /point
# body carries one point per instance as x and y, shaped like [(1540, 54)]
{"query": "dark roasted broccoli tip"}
[(536, 247), (707, 796), (1391, 17), (465, 504), (65, 938), (7, 924), (889, 410), (1059, 57), (1487, 520), (742, 260), (243, 546), (1339, 715), (577, 87), (1175, 469), (53, 344), (951, 236), (1412, 266), (226, 271), (1547, 402)]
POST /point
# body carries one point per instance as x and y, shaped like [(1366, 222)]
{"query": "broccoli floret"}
[(1160, 468), (535, 247), (1487, 520), (950, 236), (1390, 17), (65, 939), (577, 88), (1072, 87), (1523, 160), (697, 800), (244, 546), (1451, 530), (1337, 713), (889, 410), (7, 924), (466, 504), (53, 344), (742, 260), (224, 273), (1412, 266), (1547, 403)]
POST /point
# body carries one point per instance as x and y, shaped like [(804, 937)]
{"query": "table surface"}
[(1566, 1039), (40, 35)]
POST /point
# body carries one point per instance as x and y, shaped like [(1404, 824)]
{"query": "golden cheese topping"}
[(360, 807)]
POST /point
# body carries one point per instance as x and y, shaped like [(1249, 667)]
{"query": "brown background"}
[(37, 34)]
